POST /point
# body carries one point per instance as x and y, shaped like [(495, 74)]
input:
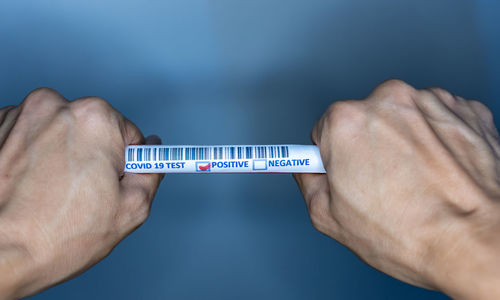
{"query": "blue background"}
[(251, 72)]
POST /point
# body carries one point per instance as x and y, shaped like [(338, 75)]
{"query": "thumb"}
[(142, 185)]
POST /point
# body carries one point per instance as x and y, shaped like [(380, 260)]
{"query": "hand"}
[(412, 187), (64, 199)]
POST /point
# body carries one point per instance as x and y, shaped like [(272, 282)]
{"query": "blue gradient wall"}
[(225, 71)]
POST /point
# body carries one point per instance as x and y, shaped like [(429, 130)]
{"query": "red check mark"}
[(204, 168)]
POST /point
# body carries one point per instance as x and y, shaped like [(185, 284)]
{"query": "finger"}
[(8, 114), (142, 184), (444, 96), (480, 113), (138, 191), (317, 197), (153, 140), (315, 132), (4, 111), (441, 116), (316, 139), (484, 119), (8, 119), (131, 134), (458, 107)]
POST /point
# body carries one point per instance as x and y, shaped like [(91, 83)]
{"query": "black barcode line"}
[(207, 153)]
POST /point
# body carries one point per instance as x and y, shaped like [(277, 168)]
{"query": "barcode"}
[(206, 153)]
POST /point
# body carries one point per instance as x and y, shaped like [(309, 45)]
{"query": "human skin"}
[(412, 187), (65, 201)]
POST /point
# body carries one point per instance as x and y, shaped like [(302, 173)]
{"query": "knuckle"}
[(443, 95), (315, 134), (7, 111), (432, 104), (91, 105), (440, 91), (395, 86), (486, 117), (136, 208), (139, 200), (132, 133), (320, 216), (40, 98), (341, 111), (393, 92), (92, 111), (7, 108), (138, 196), (316, 217), (344, 119), (104, 252), (43, 92), (140, 214), (483, 111)]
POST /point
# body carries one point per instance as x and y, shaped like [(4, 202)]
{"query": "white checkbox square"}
[(260, 164)]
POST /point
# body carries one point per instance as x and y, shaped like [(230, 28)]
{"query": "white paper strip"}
[(223, 159)]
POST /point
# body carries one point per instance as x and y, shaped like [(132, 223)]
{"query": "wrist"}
[(470, 268)]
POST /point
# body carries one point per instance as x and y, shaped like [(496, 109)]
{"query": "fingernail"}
[(153, 140)]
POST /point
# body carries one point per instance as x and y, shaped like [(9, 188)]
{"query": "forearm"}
[(471, 271)]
